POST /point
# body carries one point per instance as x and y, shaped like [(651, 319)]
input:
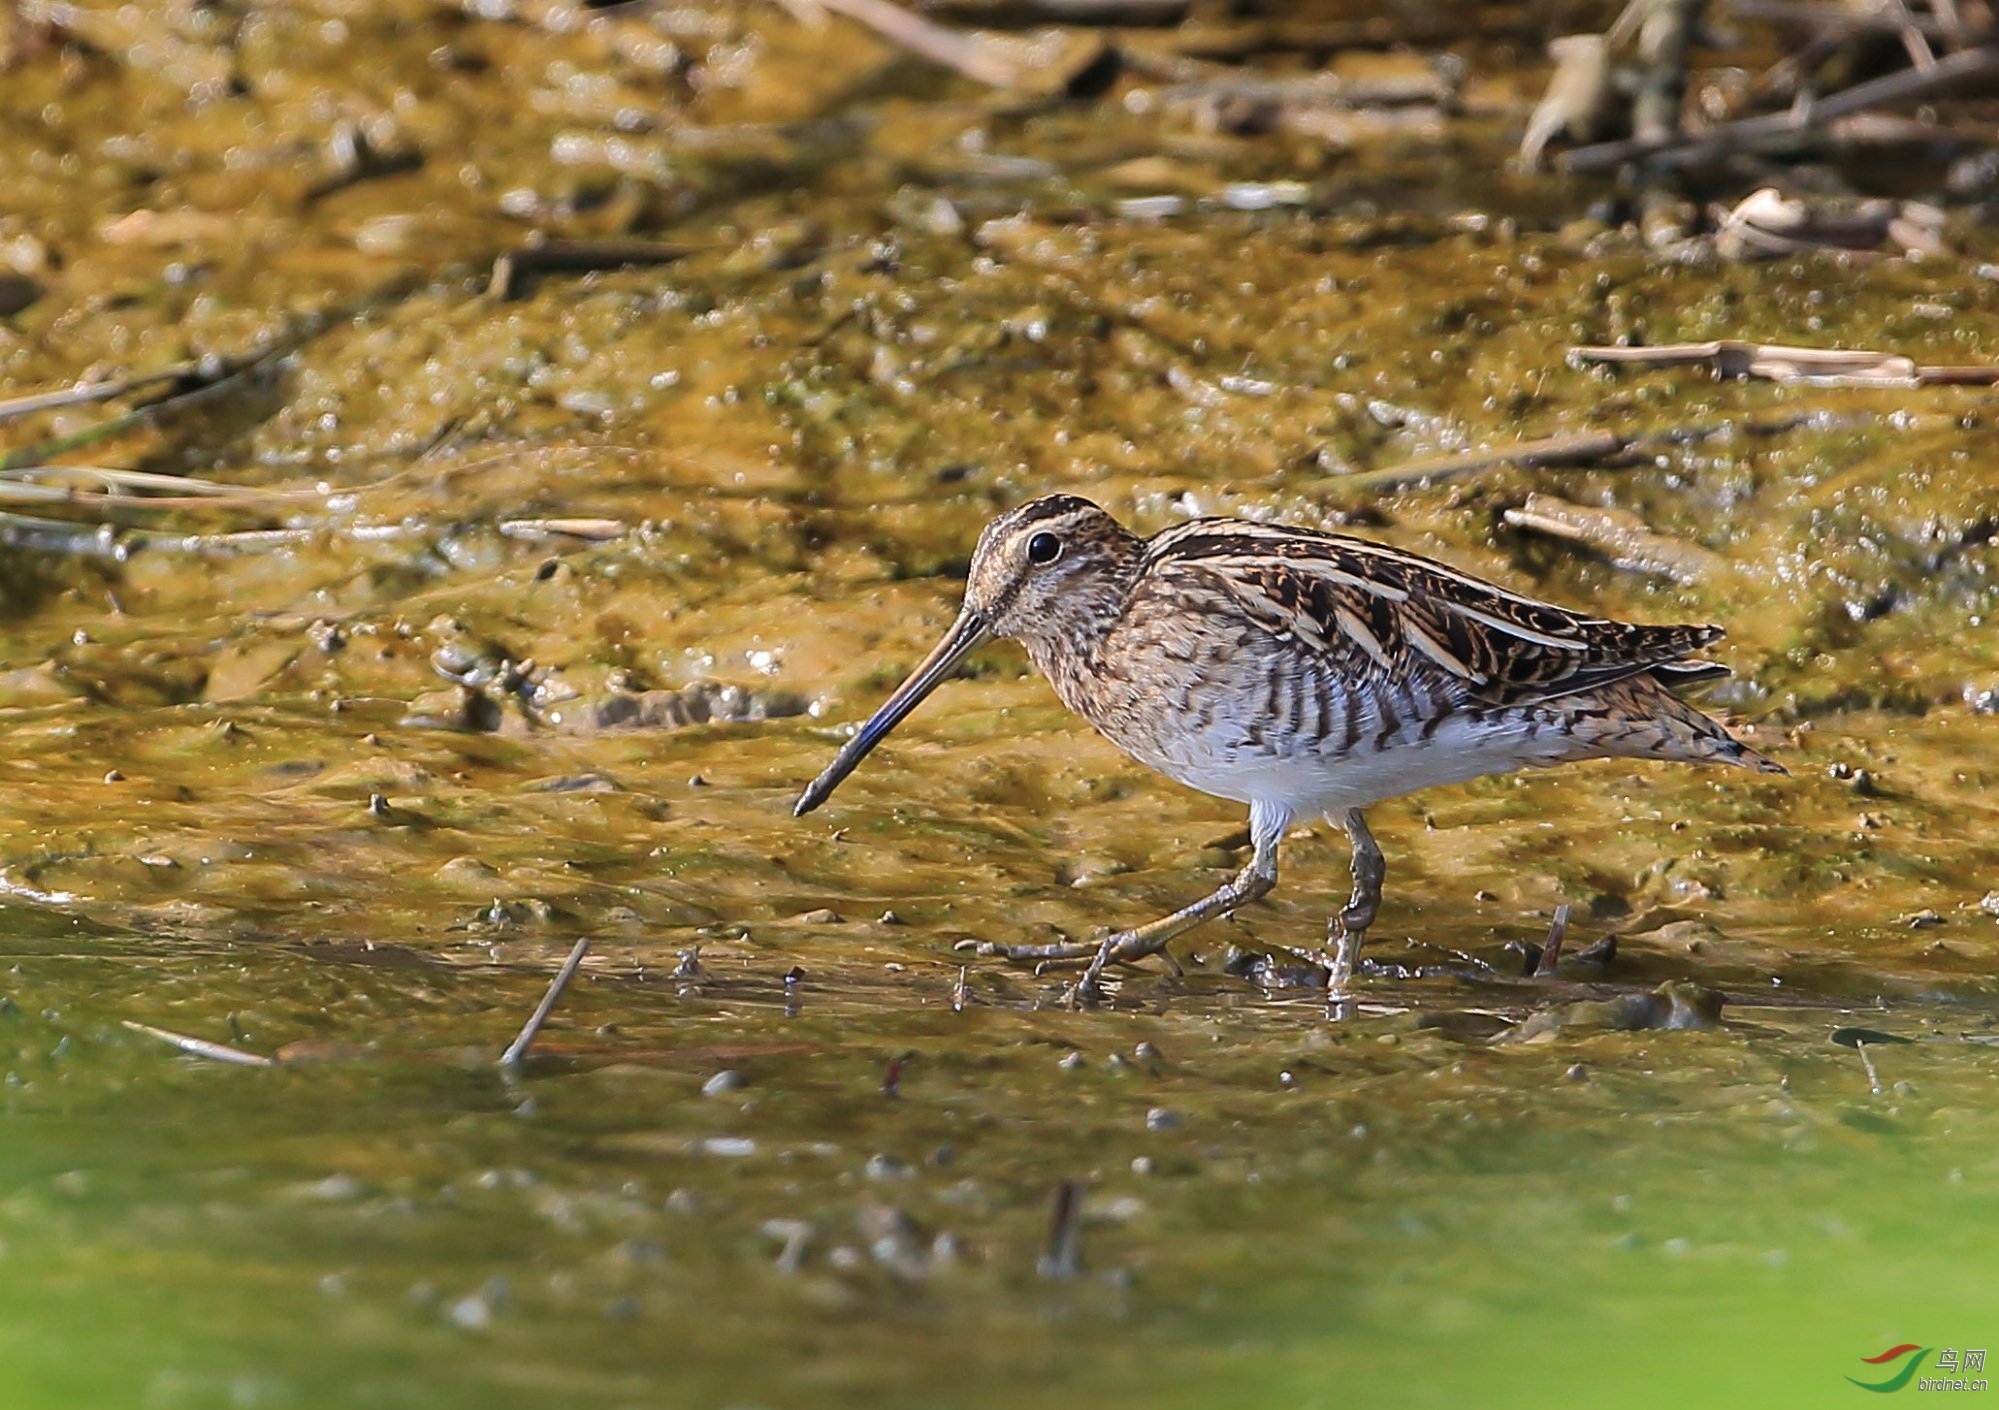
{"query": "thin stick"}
[(1663, 33), (113, 478), (1236, 41), (118, 490), (1873, 1077), (1733, 136), (594, 530), (1551, 952), (517, 1050), (962, 52), (85, 392), (1588, 447), (1784, 362), (218, 1052), (892, 1075), (1840, 18), (1627, 23), (1584, 448), (61, 536), (1619, 535), (1136, 13), (1063, 1257), (1913, 41), (575, 257), (211, 377)]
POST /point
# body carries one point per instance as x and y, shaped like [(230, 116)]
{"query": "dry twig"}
[(1619, 535), (1582, 448), (190, 385), (1063, 1256), (966, 54), (1838, 18), (201, 1047), (1051, 63), (1551, 952), (589, 530), (518, 1049), (1781, 362), (1766, 224), (1802, 117), (511, 270), (85, 392)]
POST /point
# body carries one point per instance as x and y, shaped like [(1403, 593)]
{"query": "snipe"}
[(1305, 674)]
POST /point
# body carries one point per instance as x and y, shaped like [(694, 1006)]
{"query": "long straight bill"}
[(967, 632)]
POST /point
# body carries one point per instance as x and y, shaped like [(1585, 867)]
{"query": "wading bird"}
[(1305, 674)]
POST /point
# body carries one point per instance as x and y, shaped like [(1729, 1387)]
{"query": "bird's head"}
[(1049, 572)]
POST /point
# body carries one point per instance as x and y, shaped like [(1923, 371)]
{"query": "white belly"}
[(1314, 783)]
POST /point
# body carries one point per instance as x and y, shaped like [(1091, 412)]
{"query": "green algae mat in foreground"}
[(1278, 1211)]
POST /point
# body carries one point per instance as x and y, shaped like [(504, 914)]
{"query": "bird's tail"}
[(1640, 718)]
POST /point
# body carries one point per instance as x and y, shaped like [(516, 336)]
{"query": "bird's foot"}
[(1119, 947), (1346, 940)]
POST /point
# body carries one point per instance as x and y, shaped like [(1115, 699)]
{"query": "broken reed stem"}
[(1619, 535), (963, 53), (1837, 18), (1551, 952), (1913, 42), (1662, 50), (199, 382), (892, 1075), (122, 490), (512, 269), (517, 1050), (202, 1048), (1063, 1258), (41, 535), (111, 478), (85, 392), (1802, 117), (1784, 362), (1586, 448), (1873, 1077)]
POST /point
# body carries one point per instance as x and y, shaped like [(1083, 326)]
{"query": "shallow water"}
[(542, 610), (1279, 1210)]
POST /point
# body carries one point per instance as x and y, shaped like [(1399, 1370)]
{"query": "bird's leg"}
[(1258, 875), (1056, 951), (1349, 928), (1256, 878), (1122, 946)]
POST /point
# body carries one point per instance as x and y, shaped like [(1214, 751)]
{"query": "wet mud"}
[(498, 616)]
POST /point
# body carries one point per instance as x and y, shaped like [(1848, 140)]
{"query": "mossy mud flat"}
[(490, 619)]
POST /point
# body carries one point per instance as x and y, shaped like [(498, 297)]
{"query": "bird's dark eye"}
[(1043, 549)]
